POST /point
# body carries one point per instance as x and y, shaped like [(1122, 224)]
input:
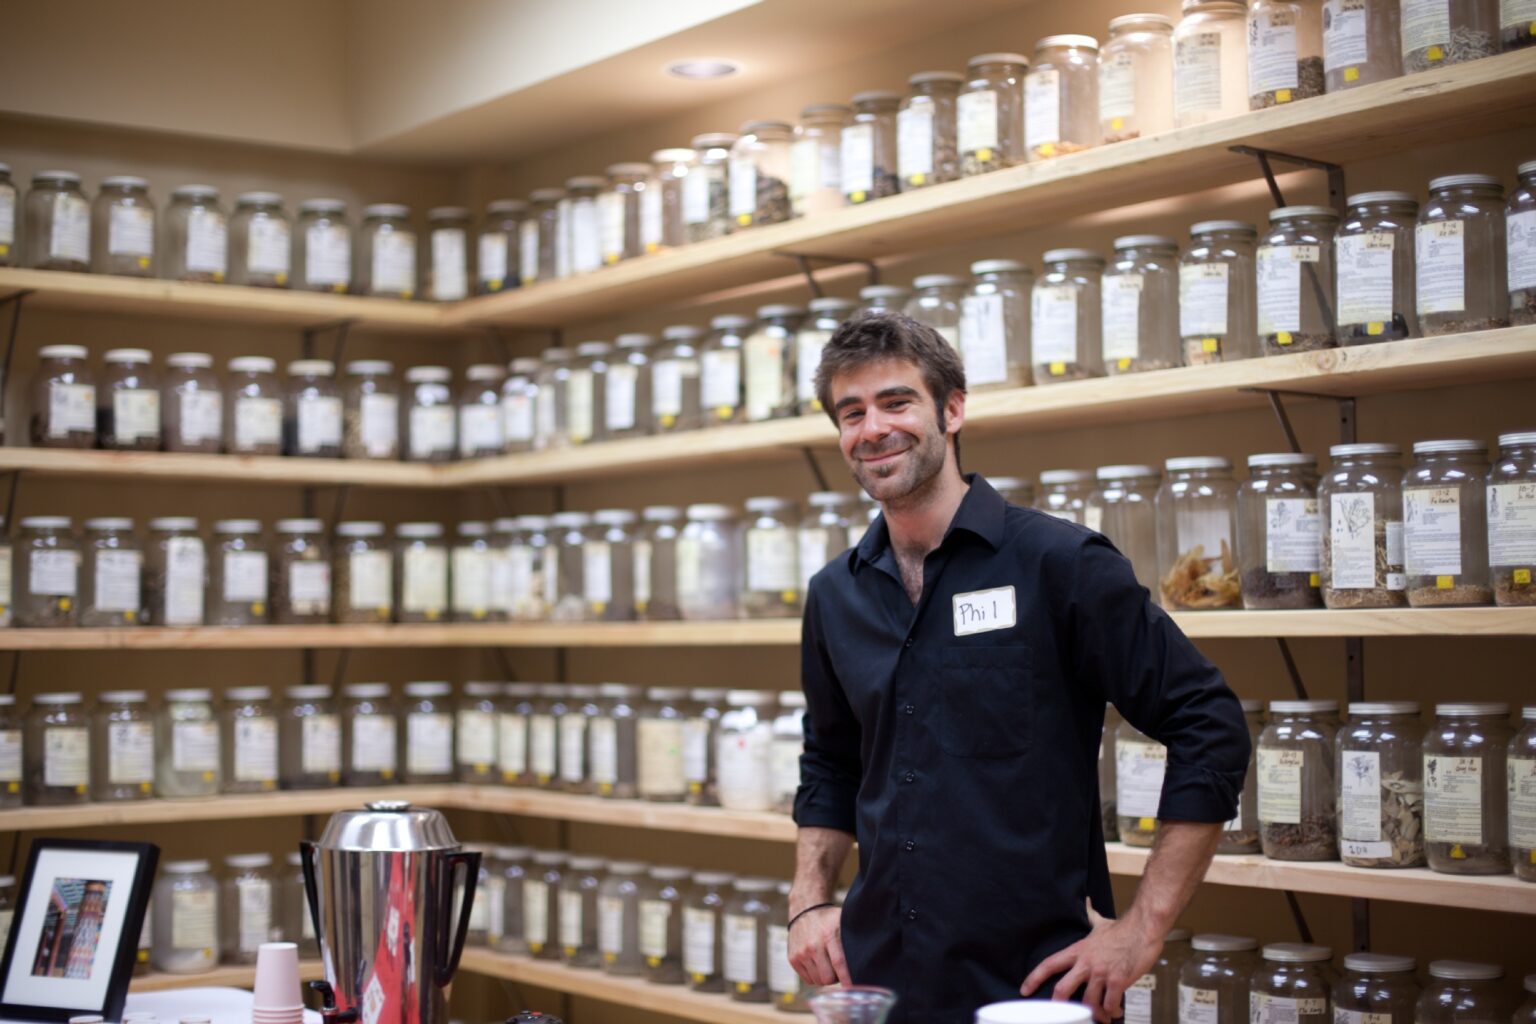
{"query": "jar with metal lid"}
[(187, 748), (586, 394), (260, 242), (1361, 502), (386, 257), (239, 581), (825, 315), (1140, 305), (11, 761), (1285, 52), (744, 939), (255, 408), (702, 931), (428, 733), (496, 246), (1279, 532), (568, 539), (608, 566), (926, 130), (128, 416), (470, 574), (549, 408), (57, 750), (1459, 992), (512, 716), (936, 301), (1292, 984), (1522, 797), (1136, 77), (1064, 493), (370, 735), (720, 370), (768, 364), (371, 411), (364, 583), (114, 574), (63, 399), (994, 329), (248, 910), (311, 739), (1374, 256), (1381, 786), (1375, 985), (312, 410), (1123, 506), (192, 404), (744, 751), (511, 865), (1210, 66), (771, 560), (449, 268), (194, 244), (177, 573), (1241, 834), (709, 563), (1015, 490), (322, 247), (248, 738), (544, 736), (123, 733), (1445, 524), (1460, 281), (784, 753), (662, 896), (49, 562), (1197, 534), (1361, 43), (626, 410), (822, 533), (541, 904), (1466, 813), (1527, 1012), (532, 568), (186, 918), (583, 230), (884, 298), (618, 919), (1218, 311), (867, 162), (122, 228), (816, 171), (581, 710), (1295, 283), (1298, 793), (1140, 763), (655, 563), (661, 202), (700, 745), (8, 254), (1066, 340), (706, 196), (504, 534), (990, 113), (579, 911), (675, 385), (57, 233), (759, 173), (536, 237), (302, 577), (430, 419), (1061, 97), (660, 732), (1437, 33), (519, 394), (1154, 997), (421, 572), (1213, 983), (476, 722), (613, 739)]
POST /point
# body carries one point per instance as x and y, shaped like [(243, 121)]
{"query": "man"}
[(956, 664)]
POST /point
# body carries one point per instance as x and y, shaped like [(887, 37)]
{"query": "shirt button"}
[(909, 709), (910, 776), (909, 846), (908, 643), (912, 915)]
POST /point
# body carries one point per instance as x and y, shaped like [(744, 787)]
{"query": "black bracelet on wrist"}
[(807, 910)]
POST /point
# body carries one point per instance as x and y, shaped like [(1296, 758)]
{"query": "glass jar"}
[(1381, 786), (1459, 992), (655, 556), (1066, 340), (534, 570), (504, 535), (771, 560), (57, 233), (1123, 505), (759, 174), (312, 413), (581, 711), (1015, 490), (884, 298), (128, 418), (194, 244), (496, 247), (255, 408), (1241, 834), (248, 906), (1445, 524), (1362, 507), (1210, 66), (1279, 532), (249, 738), (867, 164), (744, 939), (709, 564), (519, 394), (63, 399), (675, 387), (1136, 77), (11, 770), (421, 572), (239, 578), (1154, 997), (1512, 520), (511, 867), (768, 364), (784, 754), (448, 266), (57, 750), (926, 130), (823, 533), (260, 244), (701, 735), (1466, 815), (1218, 310), (1285, 52), (1295, 292), (869, 512), (702, 931), (49, 561), (311, 739), (1377, 985), (662, 896), (186, 918), (430, 419), (744, 751), (544, 736), (816, 171), (1460, 277), (586, 395), (1374, 256), (322, 247), (370, 735), (187, 749), (706, 198), (626, 409), (428, 733), (1140, 305), (994, 330), (579, 911), (541, 904), (114, 574), (364, 586), (536, 242), (990, 113), (371, 411), (1522, 798), (177, 581), (661, 203), (1197, 531), (936, 301), (720, 370), (123, 731), (660, 733), (1064, 493), (567, 538), (1140, 763), (1292, 984), (608, 566), (386, 258), (825, 316), (1297, 789), (1213, 983), (1436, 33), (618, 919), (469, 574), (613, 741), (475, 727), (192, 404), (1061, 97), (550, 393), (122, 227), (1361, 43), (581, 230)]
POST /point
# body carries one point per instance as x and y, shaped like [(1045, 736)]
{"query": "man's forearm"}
[(1179, 860), (819, 857)]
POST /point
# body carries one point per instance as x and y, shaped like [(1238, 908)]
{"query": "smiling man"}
[(956, 665)]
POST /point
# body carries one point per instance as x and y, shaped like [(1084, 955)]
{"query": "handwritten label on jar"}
[(1203, 299), (255, 909), (597, 573), (809, 344), (667, 390), (258, 423), (1120, 305), (696, 197), (585, 237), (610, 216), (782, 979), (655, 916), (135, 414), (739, 939), (1360, 797), (572, 910), (914, 144), (371, 580), (476, 738), (1196, 75), (374, 744), (1117, 90), (428, 743), (771, 560), (491, 267), (394, 262), (1138, 1000), (610, 926), (1365, 284), (1271, 52), (1511, 524), (185, 567), (54, 573), (431, 429), (580, 406), (1453, 799), (535, 914), (327, 256), (652, 224), (320, 745), (245, 576), (984, 338), (1293, 533), (603, 747), (131, 231), (202, 416), (1432, 531), (1343, 1016), (130, 754), (573, 747), (542, 746), (267, 248), (763, 354), (1055, 324), (117, 581), (699, 942), (194, 920), (309, 588), (1279, 780), (255, 753), (1440, 270), (741, 197), (528, 251), (661, 744), (512, 745), (696, 733), (620, 397), (858, 161), (1522, 802), (1425, 24), (517, 418), (813, 554), (1345, 36), (471, 581), (319, 423), (194, 746), (1139, 769), (976, 123), (1520, 229), (1279, 286), (69, 236), (720, 382), (1042, 108), (1198, 1005), (1352, 541), (1268, 1009), (71, 409), (479, 429), (424, 586), (207, 243), (66, 757)]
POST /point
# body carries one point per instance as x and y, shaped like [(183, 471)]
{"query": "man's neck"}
[(917, 523)]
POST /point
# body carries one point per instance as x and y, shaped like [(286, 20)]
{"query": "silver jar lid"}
[(1054, 477), (1464, 970), (1345, 451), (109, 523), (248, 861), (195, 192), (117, 356), (482, 689), (1210, 943), (1303, 707), (360, 528), (571, 520), (1187, 463), (317, 691), (366, 691), (473, 528), (1374, 709), (710, 513), (828, 499), (311, 368), (1124, 472), (1291, 212), (185, 867), (586, 181), (875, 96), (998, 58), (1494, 708), (447, 213), (506, 205), (393, 211), (925, 77), (258, 199), (1521, 439), (661, 513), (634, 339), (999, 266), (1144, 241), (189, 695), (1296, 953), (1067, 255), (419, 531), (1363, 198), (1281, 459), (484, 372), (370, 368), (1379, 963), (428, 375), (546, 195), (189, 360), (428, 688), (884, 291), (713, 140), (613, 517), (124, 697), (299, 526), (730, 322), (46, 523), (1206, 227), (248, 693), (237, 526), (672, 155), (56, 698), (593, 349), (253, 364), (1462, 445), (682, 332), (1464, 180), (63, 352), (925, 281), (323, 204), (173, 523), (769, 504), (1080, 42), (1131, 19)]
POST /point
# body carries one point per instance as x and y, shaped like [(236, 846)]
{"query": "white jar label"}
[(1293, 535), (573, 747), (813, 543), (202, 416), (512, 745), (1279, 780), (572, 912), (258, 423), (984, 339), (542, 746), (185, 569), (501, 580), (739, 940), (431, 430), (1138, 1000), (1520, 233), (1440, 271), (319, 423), (255, 753), (328, 256), (660, 743), (320, 745), (784, 766), (471, 578), (620, 397), (394, 262), (699, 942), (528, 251), (610, 926), (1054, 322), (772, 560), (610, 217), (580, 407), (857, 164), (1279, 287), (1117, 94), (1426, 23), (379, 425), (118, 575), (255, 908), (1267, 1009), (491, 268), (131, 232), (696, 196), (1346, 39), (1512, 524), (517, 418), (195, 746), (809, 344), (71, 408), (371, 580), (66, 757), (914, 144), (245, 576), (130, 754), (696, 751), (1432, 531), (1198, 1005), (1196, 79), (1360, 796), (604, 747), (744, 762), (1365, 279), (1202, 299), (652, 227), (7, 220), (54, 573), (803, 158), (782, 979), (135, 414), (1352, 540), (525, 592), (1042, 108), (428, 743), (194, 921), (667, 390), (597, 573), (1271, 52), (741, 196), (424, 582), (10, 759), (374, 743), (69, 237), (535, 914), (655, 916), (1139, 769), (1522, 802), (476, 739), (1453, 799), (586, 244), (207, 243), (1343, 1016), (450, 271), (1514, 14), (763, 354), (267, 248), (976, 124), (1120, 306), (720, 383), (642, 573)]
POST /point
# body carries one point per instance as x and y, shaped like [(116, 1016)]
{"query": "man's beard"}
[(911, 475)]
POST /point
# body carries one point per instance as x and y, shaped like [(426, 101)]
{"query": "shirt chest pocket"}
[(984, 704)]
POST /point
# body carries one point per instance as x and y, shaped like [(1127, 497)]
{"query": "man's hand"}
[(816, 948), (1108, 961)]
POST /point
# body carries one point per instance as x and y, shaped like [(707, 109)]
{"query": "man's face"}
[(888, 427)]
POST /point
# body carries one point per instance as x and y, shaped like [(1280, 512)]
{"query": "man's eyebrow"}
[(899, 391)]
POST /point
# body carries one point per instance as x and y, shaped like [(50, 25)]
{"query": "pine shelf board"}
[(228, 807), (713, 821), (174, 467), (228, 976), (1364, 622)]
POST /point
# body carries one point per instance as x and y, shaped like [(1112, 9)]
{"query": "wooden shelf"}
[(232, 469), (231, 976), (288, 803), (711, 821), (1363, 622)]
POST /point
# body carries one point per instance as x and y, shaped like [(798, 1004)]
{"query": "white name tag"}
[(982, 611)]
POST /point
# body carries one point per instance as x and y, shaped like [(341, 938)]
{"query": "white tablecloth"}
[(220, 1005)]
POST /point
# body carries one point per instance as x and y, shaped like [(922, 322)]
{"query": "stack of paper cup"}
[(278, 999)]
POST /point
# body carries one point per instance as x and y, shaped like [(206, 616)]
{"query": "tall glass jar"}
[(1522, 797), (248, 736), (430, 417), (1445, 524), (825, 316), (421, 572), (544, 736), (248, 914), (618, 212), (63, 399), (823, 533), (1466, 815), (1292, 984), (567, 541), (1241, 834), (720, 370), (428, 733), (1210, 65), (1512, 520), (370, 735), (1064, 493), (1520, 234), (194, 242), (550, 392), (519, 394), (768, 364), (123, 734), (744, 749), (128, 413), (578, 911), (784, 754), (995, 324), (925, 130), (1381, 786), (608, 566), (57, 228), (709, 563), (1374, 256), (883, 298), (537, 238), (186, 918), (1140, 305), (700, 745), (626, 408), (386, 252), (448, 254), (771, 560), (1285, 52), (312, 410), (260, 243), (123, 228), (177, 573), (192, 404), (1377, 985), (675, 399), (614, 741), (1218, 311), (1279, 532), (706, 198), (364, 574), (114, 574), (239, 581), (1362, 508), (868, 151), (1061, 97), (11, 762), (496, 246), (1459, 992), (618, 919), (655, 552), (187, 750), (475, 727), (702, 931), (301, 578), (534, 569), (661, 204), (1436, 33), (1295, 293), (581, 710), (1066, 340), (311, 739), (586, 392), (1123, 505), (1140, 764), (255, 407), (1136, 77), (1154, 997), (48, 559), (990, 113), (662, 897), (469, 574), (371, 411), (660, 740), (57, 750), (1361, 43), (1297, 788), (816, 171), (541, 904), (1213, 983), (1460, 277), (512, 733), (744, 939), (936, 301), (759, 174), (322, 247), (512, 864), (1196, 535)]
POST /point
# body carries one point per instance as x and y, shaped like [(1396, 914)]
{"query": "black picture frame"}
[(120, 960)]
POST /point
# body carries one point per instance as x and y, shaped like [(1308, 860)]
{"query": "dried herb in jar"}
[(1309, 83), (1314, 838), (1378, 596), (1402, 825), (1196, 582), (1466, 44)]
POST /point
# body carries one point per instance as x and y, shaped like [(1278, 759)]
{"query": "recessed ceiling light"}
[(699, 68)]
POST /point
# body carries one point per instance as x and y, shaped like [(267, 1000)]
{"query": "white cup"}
[(1034, 1011)]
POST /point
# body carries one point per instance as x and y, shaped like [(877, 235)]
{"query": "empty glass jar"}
[(1136, 77), (1459, 992), (990, 113), (1375, 984), (187, 748), (123, 733), (1124, 508), (709, 563)]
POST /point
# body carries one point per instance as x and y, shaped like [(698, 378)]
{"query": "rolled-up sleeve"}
[(1132, 651), (829, 766)]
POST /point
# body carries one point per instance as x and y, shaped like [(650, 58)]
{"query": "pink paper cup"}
[(277, 979)]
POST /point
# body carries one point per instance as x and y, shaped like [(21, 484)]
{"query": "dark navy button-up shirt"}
[(958, 741)]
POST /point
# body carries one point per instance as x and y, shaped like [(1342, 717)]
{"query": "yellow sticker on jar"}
[(1057, 369), (1445, 582), (1351, 74), (1521, 577), (1282, 337), (1210, 345), (1435, 53), (1375, 328), (1282, 95)]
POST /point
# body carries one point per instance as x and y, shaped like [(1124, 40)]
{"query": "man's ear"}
[(954, 412)]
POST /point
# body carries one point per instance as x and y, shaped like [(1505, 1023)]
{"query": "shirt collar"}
[(980, 513)]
